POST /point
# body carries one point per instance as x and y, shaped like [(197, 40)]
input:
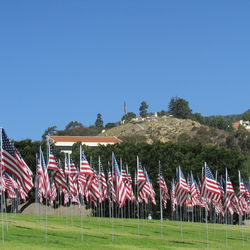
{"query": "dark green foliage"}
[(246, 116), (179, 108), (99, 121), (217, 122), (184, 138), (198, 118), (73, 125), (110, 125), (49, 131), (128, 117), (143, 109), (80, 131), (171, 155), (162, 113)]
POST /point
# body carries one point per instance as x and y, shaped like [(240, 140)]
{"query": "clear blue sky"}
[(64, 60)]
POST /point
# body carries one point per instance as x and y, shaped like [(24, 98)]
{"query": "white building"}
[(65, 143)]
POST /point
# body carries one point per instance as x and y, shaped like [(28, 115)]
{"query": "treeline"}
[(190, 157)]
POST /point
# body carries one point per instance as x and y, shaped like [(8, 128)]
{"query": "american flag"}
[(230, 201), (52, 164), (60, 180), (218, 203), (13, 163), (242, 188), (112, 194), (10, 185), (22, 193), (2, 184), (141, 181), (53, 192), (181, 188), (242, 195), (120, 186), (72, 168), (85, 168), (73, 173), (103, 187), (43, 177), (128, 183), (209, 188), (66, 164), (130, 186), (92, 190), (194, 191), (149, 187), (81, 179), (163, 189), (173, 197)]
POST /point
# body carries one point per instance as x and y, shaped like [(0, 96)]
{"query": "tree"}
[(198, 118), (49, 131), (73, 124), (246, 116), (110, 125), (99, 121), (179, 108), (162, 113), (143, 109), (128, 117)]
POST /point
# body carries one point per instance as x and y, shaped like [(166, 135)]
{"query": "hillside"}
[(168, 129)]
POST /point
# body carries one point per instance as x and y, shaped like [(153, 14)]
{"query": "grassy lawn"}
[(28, 232)]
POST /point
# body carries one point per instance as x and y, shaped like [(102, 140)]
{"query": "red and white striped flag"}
[(43, 184), (181, 188), (112, 193), (85, 168), (163, 189), (173, 197), (210, 190), (52, 164), (103, 187), (13, 163), (120, 186)]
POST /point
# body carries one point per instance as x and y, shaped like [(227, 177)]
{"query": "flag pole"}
[(226, 218), (138, 203), (2, 192), (46, 199), (113, 229), (159, 176)]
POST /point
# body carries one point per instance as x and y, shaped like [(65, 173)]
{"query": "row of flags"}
[(86, 183), (211, 192)]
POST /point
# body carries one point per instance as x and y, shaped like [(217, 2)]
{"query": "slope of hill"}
[(168, 129)]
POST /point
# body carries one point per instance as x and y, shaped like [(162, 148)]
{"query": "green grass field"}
[(28, 232)]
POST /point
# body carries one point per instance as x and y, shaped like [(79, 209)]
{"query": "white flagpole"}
[(113, 229), (46, 198), (240, 216), (138, 204), (2, 194), (226, 212), (159, 176)]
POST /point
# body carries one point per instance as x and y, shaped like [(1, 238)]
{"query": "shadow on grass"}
[(28, 228), (181, 242)]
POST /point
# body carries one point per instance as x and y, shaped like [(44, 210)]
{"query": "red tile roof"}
[(236, 124), (85, 139)]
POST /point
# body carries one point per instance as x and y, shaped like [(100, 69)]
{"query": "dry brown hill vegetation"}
[(167, 129)]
